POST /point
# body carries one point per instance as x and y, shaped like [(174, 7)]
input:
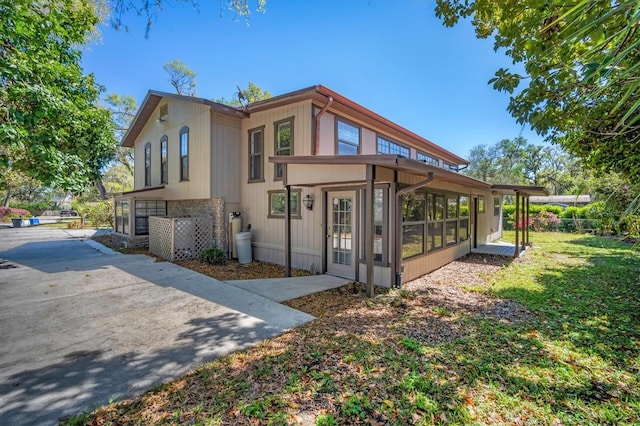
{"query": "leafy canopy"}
[(51, 127), (581, 63), (181, 77)]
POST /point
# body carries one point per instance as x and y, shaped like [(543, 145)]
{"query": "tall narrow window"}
[(348, 139), (256, 152), (385, 146), (147, 164), (164, 169), (451, 223), (463, 229), (283, 132), (413, 223), (184, 153), (436, 221)]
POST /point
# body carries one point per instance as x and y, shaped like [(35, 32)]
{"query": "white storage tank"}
[(235, 226)]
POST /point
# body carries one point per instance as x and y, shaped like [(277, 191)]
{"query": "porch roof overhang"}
[(144, 190), (520, 189), (330, 169)]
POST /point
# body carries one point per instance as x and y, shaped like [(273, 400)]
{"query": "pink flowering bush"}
[(8, 213), (544, 221)]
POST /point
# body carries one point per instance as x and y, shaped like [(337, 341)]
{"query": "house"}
[(563, 201), (367, 199)]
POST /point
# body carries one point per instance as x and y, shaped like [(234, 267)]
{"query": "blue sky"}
[(395, 58)]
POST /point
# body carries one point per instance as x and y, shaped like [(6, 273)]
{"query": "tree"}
[(517, 162), (152, 8), (181, 77), (581, 61), (251, 94), (51, 127), (123, 109)]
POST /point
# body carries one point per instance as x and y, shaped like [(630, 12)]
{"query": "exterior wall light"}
[(308, 201)]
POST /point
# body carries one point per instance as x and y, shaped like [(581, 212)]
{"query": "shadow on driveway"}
[(81, 328)]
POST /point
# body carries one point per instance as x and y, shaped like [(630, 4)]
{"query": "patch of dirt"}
[(231, 271), (426, 309), (452, 287), (235, 271)]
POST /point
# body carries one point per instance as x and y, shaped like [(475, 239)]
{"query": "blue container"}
[(34, 221)]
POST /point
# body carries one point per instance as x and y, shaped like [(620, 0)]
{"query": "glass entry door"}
[(341, 238)]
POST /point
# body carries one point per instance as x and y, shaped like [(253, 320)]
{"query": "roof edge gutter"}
[(398, 226), (316, 141)]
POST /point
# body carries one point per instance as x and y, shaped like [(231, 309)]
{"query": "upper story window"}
[(449, 166), (164, 169), (256, 154), (184, 153), (385, 146), (348, 139), (428, 159), (283, 135), (147, 164)]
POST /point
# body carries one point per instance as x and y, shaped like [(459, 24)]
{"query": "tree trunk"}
[(101, 189), (7, 198)]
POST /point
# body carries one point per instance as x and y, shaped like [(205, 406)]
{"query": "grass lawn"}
[(572, 357)]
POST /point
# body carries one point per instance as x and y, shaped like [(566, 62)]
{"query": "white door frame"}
[(342, 241)]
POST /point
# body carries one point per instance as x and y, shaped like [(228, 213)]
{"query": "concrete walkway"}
[(281, 289), (81, 325)]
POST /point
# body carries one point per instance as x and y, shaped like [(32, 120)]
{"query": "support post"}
[(369, 229), (517, 218), (524, 223), (528, 216), (287, 230)]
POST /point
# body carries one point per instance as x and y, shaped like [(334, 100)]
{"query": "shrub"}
[(602, 215), (544, 221), (101, 214), (37, 207), (8, 213), (213, 256)]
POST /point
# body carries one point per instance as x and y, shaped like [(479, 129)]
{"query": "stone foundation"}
[(213, 207), (136, 241)]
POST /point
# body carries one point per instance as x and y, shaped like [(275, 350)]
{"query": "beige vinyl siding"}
[(226, 178), (368, 143), (327, 139), (268, 233), (194, 116)]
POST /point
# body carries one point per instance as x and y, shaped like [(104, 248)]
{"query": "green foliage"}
[(515, 161), (326, 420), (251, 94), (181, 77), (100, 214), (36, 207), (603, 215), (51, 128), (213, 256), (581, 62), (151, 9)]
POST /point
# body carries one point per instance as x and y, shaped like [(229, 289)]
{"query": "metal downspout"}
[(398, 226), (316, 141)]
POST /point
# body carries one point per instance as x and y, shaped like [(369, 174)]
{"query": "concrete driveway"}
[(81, 325)]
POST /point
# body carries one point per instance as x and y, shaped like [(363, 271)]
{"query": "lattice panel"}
[(179, 238), (160, 236)]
